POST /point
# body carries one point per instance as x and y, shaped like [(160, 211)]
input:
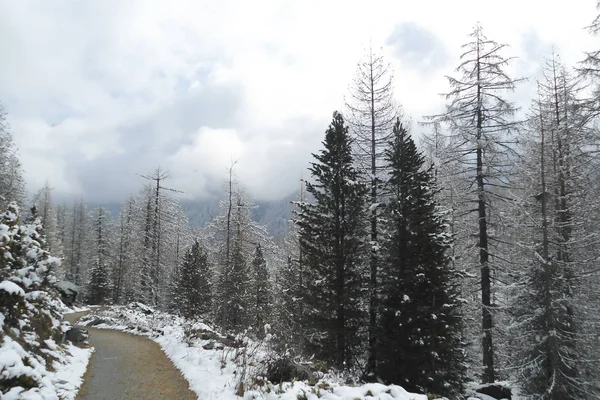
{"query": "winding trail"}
[(126, 366)]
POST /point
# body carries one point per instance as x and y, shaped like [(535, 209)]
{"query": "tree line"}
[(469, 256)]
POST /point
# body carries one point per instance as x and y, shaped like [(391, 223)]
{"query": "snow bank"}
[(11, 288), (216, 371)]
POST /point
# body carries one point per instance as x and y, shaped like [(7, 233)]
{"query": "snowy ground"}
[(25, 358), (215, 371)]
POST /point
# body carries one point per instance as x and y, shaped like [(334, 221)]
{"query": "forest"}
[(466, 254)]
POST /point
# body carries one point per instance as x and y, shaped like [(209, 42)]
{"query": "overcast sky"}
[(98, 91)]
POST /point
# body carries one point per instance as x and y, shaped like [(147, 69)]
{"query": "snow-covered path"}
[(126, 366)]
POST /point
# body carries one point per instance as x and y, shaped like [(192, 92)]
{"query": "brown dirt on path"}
[(126, 366)]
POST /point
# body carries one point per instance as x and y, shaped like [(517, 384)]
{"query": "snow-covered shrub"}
[(30, 311)]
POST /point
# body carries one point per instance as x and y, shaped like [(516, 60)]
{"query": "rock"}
[(207, 336), (209, 346), (285, 369), (142, 307), (496, 390), (77, 335), (68, 292), (95, 322)]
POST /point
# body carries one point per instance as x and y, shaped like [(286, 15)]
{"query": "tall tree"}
[(127, 256), (331, 233), (481, 122), (48, 216), (372, 111), (12, 184), (262, 295), (420, 335), (555, 302), (590, 68), (164, 227), (99, 283), (232, 237), (289, 286), (76, 243)]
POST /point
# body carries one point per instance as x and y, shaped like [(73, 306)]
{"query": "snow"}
[(68, 376), (215, 373), (11, 288)]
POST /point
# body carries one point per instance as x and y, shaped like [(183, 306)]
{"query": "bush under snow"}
[(34, 364)]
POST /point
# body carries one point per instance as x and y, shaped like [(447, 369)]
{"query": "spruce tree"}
[(192, 297), (332, 241), (420, 328), (99, 284), (261, 293)]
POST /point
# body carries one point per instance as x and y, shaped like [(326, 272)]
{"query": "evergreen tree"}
[(192, 291), (99, 283), (261, 292), (420, 329), (12, 184), (331, 234), (289, 287)]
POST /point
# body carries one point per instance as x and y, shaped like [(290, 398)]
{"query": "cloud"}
[(417, 47), (99, 91)]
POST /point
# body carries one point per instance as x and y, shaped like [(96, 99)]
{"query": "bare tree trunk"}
[(486, 283)]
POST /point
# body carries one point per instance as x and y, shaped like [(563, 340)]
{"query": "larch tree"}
[(420, 330), (332, 240), (76, 243), (555, 302), (480, 121), (48, 215), (232, 237), (165, 232), (371, 114), (127, 256)]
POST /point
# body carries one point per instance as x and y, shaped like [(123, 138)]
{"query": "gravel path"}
[(126, 366)]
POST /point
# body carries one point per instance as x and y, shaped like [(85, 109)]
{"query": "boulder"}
[(285, 369), (78, 335), (497, 391), (95, 322), (68, 292)]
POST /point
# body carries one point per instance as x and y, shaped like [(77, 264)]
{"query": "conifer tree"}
[(232, 237), (12, 184), (290, 287), (372, 111), (555, 299), (76, 244), (99, 284), (192, 295), (480, 122), (420, 328), (261, 292), (332, 241)]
